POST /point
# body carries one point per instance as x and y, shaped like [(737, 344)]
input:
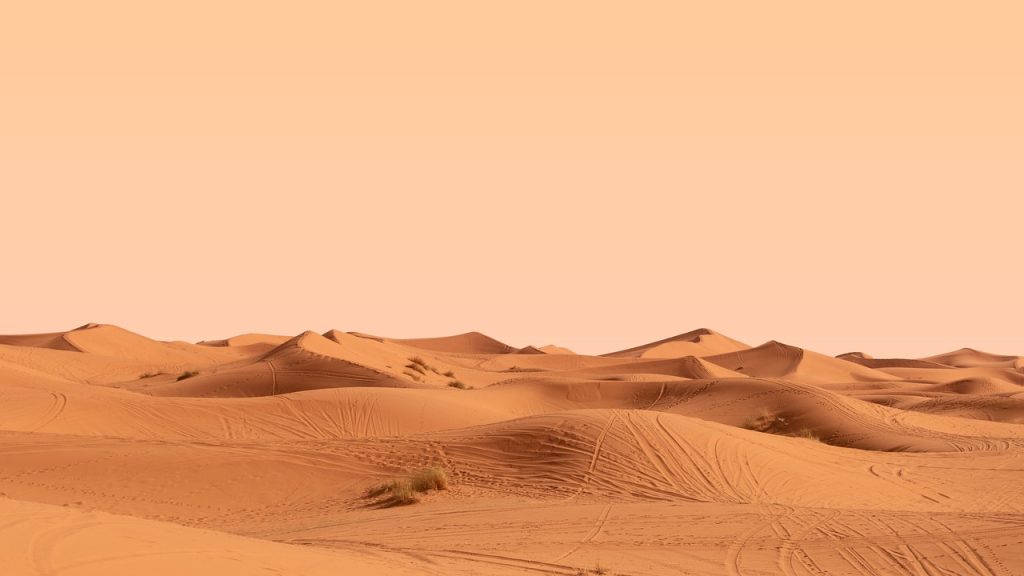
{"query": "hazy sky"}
[(840, 176)]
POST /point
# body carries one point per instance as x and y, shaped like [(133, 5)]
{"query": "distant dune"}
[(700, 342), (696, 454)]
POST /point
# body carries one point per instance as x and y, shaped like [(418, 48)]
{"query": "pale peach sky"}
[(596, 175)]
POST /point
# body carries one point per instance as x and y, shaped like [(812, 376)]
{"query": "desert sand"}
[(697, 454)]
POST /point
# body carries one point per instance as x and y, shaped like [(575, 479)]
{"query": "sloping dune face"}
[(468, 343), (700, 342), (696, 454)]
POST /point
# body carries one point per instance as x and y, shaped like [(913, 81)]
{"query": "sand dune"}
[(700, 342), (689, 367), (41, 539), (268, 340), (1011, 377), (102, 354), (53, 341), (865, 360), (695, 454), (552, 349), (468, 343), (306, 362), (970, 358), (778, 360)]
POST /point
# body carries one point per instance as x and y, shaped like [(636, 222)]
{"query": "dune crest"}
[(468, 343), (699, 342)]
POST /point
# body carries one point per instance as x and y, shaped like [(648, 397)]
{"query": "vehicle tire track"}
[(54, 410), (273, 378), (602, 519)]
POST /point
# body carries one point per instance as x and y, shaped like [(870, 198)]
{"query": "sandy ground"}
[(696, 454)]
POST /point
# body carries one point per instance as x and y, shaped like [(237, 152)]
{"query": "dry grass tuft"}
[(807, 434), (457, 384), (187, 374), (773, 423), (393, 493), (432, 478), (402, 492), (766, 421)]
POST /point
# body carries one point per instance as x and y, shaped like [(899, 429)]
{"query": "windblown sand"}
[(697, 454)]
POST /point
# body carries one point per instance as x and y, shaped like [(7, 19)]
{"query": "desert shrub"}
[(418, 360), (457, 384), (766, 421), (773, 423), (432, 478), (450, 374), (417, 367), (393, 493), (807, 434), (401, 492), (187, 374)]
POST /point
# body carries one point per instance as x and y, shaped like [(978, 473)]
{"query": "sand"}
[(696, 454)]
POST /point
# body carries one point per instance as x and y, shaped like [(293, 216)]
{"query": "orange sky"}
[(593, 174)]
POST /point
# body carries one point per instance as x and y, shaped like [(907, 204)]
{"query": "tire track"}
[(54, 410), (602, 519), (660, 394), (273, 378), (598, 443), (43, 545), (734, 555), (652, 456)]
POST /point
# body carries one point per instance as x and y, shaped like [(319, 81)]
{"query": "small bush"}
[(187, 374), (404, 491), (774, 423), (766, 421), (417, 367), (394, 493), (807, 434), (418, 360), (449, 374), (457, 384), (433, 478)]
